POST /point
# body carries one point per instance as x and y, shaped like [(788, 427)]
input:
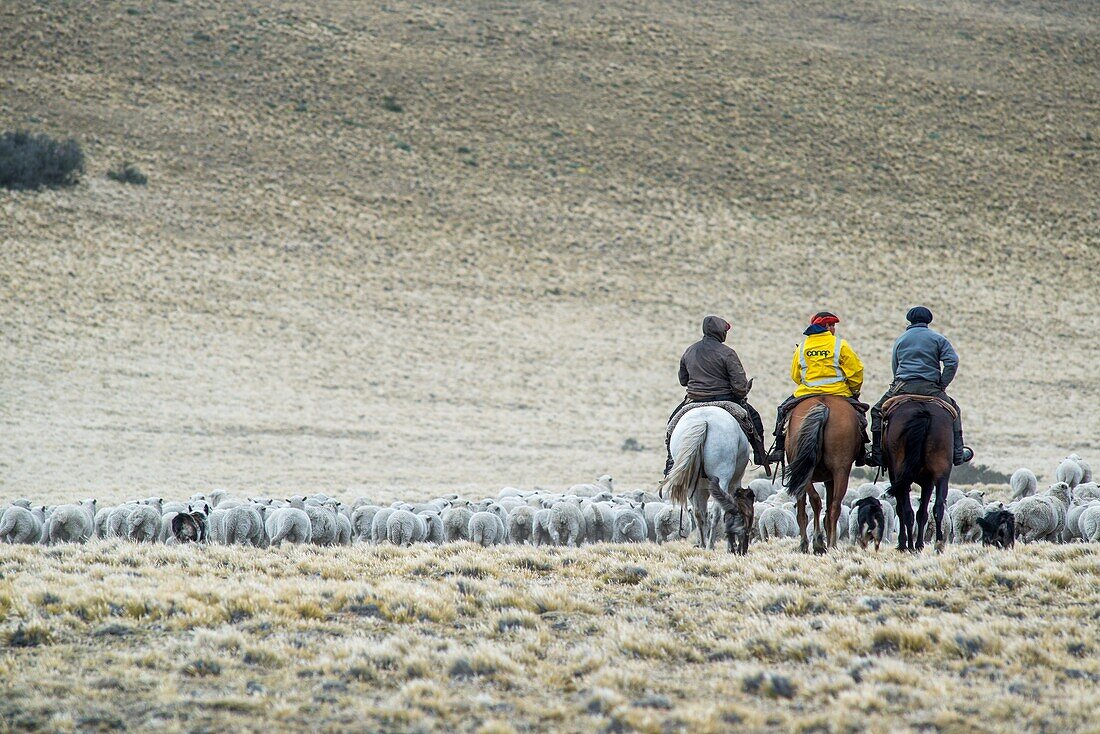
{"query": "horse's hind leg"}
[(938, 509), (922, 513), (819, 537), (905, 517), (804, 546), (699, 507)]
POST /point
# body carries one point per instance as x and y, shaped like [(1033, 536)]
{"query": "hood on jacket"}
[(716, 327)]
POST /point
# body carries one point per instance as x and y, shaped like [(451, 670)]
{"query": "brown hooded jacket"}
[(709, 368)]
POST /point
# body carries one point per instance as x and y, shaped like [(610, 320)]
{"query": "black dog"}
[(870, 522), (998, 528), (190, 527)]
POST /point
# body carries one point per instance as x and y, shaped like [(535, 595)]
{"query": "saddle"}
[(738, 413), (890, 405)]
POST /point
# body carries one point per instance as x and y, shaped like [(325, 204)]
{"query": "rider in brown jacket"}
[(712, 372)]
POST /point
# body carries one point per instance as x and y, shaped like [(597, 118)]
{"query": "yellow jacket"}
[(817, 369)]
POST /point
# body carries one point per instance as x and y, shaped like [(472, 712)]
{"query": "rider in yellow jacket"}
[(823, 364)]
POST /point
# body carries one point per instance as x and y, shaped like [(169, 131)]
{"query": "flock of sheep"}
[(586, 513)]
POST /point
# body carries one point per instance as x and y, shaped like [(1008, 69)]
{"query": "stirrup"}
[(966, 457)]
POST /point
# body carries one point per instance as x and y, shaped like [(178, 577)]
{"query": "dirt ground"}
[(420, 246)]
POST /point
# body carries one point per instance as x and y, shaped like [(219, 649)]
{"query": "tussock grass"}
[(465, 639)]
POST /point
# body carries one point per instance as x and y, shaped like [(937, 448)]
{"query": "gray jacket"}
[(918, 354)]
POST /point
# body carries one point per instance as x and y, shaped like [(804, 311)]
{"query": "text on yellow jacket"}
[(824, 364)]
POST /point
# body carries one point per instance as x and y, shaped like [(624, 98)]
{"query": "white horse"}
[(711, 454)]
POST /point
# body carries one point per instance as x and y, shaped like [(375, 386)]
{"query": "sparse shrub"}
[(202, 668), (390, 103), (128, 173), (33, 161), (31, 635)]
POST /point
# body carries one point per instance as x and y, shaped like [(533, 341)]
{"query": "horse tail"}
[(811, 441), (916, 430), (688, 466)]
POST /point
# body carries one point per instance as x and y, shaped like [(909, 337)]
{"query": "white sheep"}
[(1090, 523), (667, 522), (72, 523), (1023, 483), (599, 522), (962, 521), (143, 523), (344, 532), (486, 529), (566, 524), (288, 524), (362, 518), (1086, 491), (778, 522), (1070, 472), (1086, 468), (603, 484), (763, 488), (520, 524), (434, 527), (243, 525), (630, 526), (540, 528), (1042, 516), (456, 523), (323, 525), (715, 522), (1072, 530), (20, 525), (405, 528), (378, 530)]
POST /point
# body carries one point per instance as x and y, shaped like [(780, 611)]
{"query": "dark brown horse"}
[(917, 445), (823, 441)]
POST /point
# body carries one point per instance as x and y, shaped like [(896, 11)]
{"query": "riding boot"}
[(962, 454), (875, 459), (668, 460), (775, 456)]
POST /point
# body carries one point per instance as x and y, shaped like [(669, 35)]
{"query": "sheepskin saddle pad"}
[(739, 414), (890, 405)]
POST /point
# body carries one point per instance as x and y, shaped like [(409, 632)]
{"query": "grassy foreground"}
[(603, 638)]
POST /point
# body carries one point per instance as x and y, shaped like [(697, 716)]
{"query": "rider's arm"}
[(894, 361), (739, 382), (683, 373), (852, 368), (950, 361), (796, 369)]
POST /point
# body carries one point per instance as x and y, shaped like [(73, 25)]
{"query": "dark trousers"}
[(916, 387), (754, 416)]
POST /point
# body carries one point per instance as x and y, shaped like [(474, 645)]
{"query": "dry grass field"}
[(410, 248), (604, 638)]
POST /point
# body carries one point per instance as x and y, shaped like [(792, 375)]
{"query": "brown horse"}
[(917, 444), (823, 441)]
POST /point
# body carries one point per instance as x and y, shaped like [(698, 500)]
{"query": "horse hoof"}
[(939, 546), (804, 547)]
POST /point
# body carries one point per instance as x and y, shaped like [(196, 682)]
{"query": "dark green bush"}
[(128, 173), (32, 161)]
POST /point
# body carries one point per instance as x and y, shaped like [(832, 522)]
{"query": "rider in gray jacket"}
[(924, 363)]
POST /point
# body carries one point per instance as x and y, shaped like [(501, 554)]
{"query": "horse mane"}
[(915, 430), (810, 442), (688, 466)]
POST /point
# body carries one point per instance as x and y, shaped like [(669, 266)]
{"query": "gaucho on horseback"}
[(712, 372), (918, 355), (823, 364)]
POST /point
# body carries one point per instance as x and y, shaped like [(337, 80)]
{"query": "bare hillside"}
[(420, 245)]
